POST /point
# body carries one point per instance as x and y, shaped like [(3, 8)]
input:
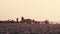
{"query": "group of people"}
[(23, 20)]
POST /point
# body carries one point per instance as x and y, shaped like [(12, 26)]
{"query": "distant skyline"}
[(34, 9)]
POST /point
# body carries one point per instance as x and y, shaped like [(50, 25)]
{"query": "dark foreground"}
[(16, 28)]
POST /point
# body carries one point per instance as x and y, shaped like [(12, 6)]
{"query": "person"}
[(46, 22), (22, 18), (17, 19)]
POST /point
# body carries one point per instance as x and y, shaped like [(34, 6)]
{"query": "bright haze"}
[(34, 9)]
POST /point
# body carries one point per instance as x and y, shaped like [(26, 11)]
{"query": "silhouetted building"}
[(12, 21), (25, 20)]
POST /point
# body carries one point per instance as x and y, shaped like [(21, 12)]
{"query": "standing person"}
[(17, 20)]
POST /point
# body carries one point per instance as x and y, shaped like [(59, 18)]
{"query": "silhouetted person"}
[(46, 22), (22, 18), (17, 19)]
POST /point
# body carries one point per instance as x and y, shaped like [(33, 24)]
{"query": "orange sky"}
[(34, 9)]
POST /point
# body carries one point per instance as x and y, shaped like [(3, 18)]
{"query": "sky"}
[(34, 9)]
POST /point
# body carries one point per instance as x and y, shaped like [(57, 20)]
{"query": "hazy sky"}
[(34, 9)]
